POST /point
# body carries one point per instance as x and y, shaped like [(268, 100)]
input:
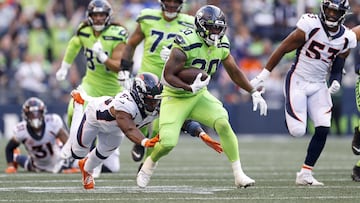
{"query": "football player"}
[(158, 28), (111, 118), (322, 43), (355, 144), (103, 42), (39, 133), (204, 47)]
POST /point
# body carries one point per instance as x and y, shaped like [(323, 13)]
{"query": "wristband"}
[(126, 65), (143, 142), (65, 65)]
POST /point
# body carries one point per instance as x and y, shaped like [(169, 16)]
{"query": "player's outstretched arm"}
[(128, 126)]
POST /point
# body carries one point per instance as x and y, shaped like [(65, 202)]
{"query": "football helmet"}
[(99, 6), (336, 18), (210, 24), (146, 90), (171, 8), (33, 112)]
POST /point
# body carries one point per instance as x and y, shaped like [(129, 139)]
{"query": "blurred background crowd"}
[(35, 33)]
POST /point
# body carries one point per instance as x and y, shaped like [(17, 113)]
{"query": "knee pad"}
[(297, 131)]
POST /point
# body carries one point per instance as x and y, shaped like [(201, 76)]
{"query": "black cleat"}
[(356, 174), (139, 168), (355, 144), (137, 152)]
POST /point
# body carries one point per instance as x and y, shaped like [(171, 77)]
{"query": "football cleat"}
[(87, 179), (75, 94), (143, 179), (307, 179), (243, 181), (356, 174), (137, 152), (145, 173), (355, 144)]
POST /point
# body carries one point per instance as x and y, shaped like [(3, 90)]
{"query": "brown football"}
[(188, 75)]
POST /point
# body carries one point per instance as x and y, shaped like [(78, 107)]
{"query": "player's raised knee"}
[(297, 132)]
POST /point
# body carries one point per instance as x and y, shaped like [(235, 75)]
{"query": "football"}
[(188, 75)]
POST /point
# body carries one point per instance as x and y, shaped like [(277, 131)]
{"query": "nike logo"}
[(136, 154), (356, 149)]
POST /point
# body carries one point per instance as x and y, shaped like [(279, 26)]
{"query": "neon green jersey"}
[(198, 55), (158, 33), (98, 79)]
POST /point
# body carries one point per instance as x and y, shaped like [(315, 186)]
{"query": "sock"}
[(316, 145), (76, 121), (236, 166), (92, 162), (149, 166), (306, 169)]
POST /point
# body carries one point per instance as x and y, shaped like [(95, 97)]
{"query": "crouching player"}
[(40, 133)]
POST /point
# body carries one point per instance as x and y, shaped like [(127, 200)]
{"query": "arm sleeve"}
[(337, 69), (72, 50), (12, 144)]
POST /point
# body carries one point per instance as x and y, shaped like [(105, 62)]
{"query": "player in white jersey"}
[(109, 119), (322, 43), (40, 134)]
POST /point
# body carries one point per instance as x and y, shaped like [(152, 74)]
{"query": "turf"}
[(192, 172)]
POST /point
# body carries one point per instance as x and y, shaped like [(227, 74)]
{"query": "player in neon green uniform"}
[(103, 43), (158, 29), (102, 66), (355, 143), (204, 48)]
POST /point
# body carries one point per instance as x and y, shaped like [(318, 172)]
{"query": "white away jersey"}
[(123, 101), (315, 57), (43, 148)]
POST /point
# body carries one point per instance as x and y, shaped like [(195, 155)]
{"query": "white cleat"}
[(307, 179), (142, 179), (145, 173), (244, 181)]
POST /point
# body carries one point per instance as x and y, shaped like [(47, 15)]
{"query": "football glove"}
[(258, 81), (10, 169), (63, 70), (210, 142), (258, 100), (124, 79), (99, 52), (198, 83), (165, 53), (150, 142), (334, 87)]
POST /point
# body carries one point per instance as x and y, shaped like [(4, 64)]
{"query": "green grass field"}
[(192, 172)]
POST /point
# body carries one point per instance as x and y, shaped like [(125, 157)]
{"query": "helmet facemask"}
[(35, 118), (169, 10), (99, 7), (33, 112), (210, 24)]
